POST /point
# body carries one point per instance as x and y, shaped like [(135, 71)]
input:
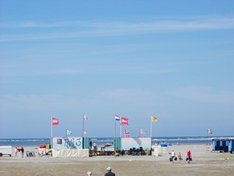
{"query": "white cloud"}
[(94, 99), (97, 29)]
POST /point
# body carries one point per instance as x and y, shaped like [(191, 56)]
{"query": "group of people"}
[(17, 149), (179, 156), (108, 173)]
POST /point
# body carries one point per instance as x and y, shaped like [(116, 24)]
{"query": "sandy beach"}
[(204, 163)]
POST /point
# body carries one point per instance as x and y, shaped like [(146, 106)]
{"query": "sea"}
[(100, 141)]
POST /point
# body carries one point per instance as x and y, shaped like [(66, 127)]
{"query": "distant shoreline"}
[(187, 140)]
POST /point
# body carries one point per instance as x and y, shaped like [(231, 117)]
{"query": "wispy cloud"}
[(31, 67), (73, 99), (40, 102), (203, 94), (38, 24), (97, 29), (122, 26), (168, 25)]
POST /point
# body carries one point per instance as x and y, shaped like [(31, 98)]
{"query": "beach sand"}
[(204, 163)]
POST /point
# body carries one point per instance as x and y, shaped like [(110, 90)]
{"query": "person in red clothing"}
[(189, 156), (189, 153)]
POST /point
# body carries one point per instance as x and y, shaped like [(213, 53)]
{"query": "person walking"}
[(180, 157), (172, 155), (22, 152), (189, 156), (109, 172)]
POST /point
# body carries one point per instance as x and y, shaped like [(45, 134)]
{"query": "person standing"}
[(89, 173), (90, 145), (109, 173), (122, 151), (189, 156), (16, 150), (22, 152), (172, 155), (180, 157), (94, 148)]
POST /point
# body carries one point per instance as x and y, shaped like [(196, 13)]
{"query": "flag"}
[(127, 136), (126, 131), (69, 132), (55, 121), (117, 118), (85, 132), (154, 119), (124, 121), (209, 131), (142, 131), (85, 117)]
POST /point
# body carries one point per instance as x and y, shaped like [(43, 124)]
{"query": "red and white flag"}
[(55, 121), (209, 131), (124, 121)]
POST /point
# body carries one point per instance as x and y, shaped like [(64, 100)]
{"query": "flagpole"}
[(120, 131), (151, 129), (207, 136), (51, 133), (83, 127), (115, 140), (51, 128)]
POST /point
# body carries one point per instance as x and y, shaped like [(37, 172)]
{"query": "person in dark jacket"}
[(22, 151), (109, 173)]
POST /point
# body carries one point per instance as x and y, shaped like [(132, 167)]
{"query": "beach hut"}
[(223, 144), (117, 143), (231, 146), (86, 143), (69, 147), (216, 145)]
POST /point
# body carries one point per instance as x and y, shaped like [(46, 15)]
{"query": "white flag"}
[(68, 132)]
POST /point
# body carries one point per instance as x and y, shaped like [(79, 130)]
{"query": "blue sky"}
[(169, 59)]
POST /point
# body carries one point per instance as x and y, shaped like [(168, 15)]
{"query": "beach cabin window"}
[(59, 141)]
